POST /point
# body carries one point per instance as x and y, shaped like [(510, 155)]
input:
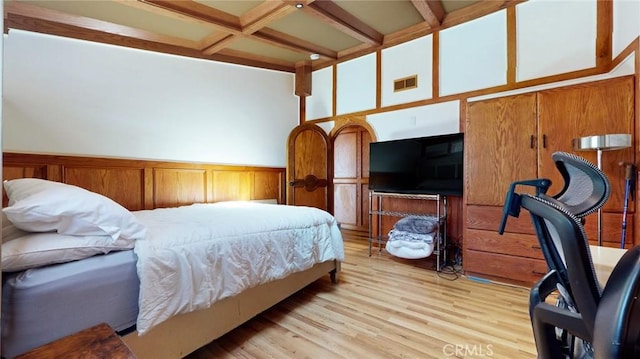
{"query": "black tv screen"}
[(425, 165)]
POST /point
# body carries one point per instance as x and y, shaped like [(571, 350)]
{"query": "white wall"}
[(473, 55), (625, 68), (438, 119), (554, 37), (356, 85), (626, 24), (68, 96), (320, 103), (407, 59), (327, 126)]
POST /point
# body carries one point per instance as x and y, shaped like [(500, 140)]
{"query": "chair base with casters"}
[(546, 319), (616, 330)]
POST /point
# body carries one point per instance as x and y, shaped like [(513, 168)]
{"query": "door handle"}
[(310, 183)]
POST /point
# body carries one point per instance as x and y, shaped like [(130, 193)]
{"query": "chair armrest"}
[(542, 289)]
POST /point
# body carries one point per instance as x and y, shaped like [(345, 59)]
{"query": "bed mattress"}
[(43, 304), (193, 256)]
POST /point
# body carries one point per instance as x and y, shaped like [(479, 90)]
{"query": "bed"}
[(153, 275)]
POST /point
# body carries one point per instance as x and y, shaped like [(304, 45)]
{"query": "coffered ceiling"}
[(274, 34)]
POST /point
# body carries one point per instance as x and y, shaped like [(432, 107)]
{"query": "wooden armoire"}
[(512, 138)]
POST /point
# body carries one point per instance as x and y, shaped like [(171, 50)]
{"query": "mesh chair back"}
[(586, 188)]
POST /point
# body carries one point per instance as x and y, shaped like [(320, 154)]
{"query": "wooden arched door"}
[(350, 146), (309, 167)]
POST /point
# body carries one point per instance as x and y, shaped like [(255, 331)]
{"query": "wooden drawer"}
[(523, 245), (511, 268), (488, 218)]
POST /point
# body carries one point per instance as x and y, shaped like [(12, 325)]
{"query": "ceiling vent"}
[(406, 83)]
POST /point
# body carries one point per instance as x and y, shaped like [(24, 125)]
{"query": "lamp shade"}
[(602, 142)]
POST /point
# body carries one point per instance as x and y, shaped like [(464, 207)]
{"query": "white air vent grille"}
[(406, 83)]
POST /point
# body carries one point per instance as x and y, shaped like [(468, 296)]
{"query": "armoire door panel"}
[(499, 147), (597, 108)]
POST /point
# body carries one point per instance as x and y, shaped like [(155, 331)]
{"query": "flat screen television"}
[(425, 165)]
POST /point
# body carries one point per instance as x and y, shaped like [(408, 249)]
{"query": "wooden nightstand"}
[(94, 343)]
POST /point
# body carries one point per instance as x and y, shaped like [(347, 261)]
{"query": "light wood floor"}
[(384, 307)]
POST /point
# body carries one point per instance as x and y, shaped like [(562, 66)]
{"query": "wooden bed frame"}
[(140, 184), (183, 334)]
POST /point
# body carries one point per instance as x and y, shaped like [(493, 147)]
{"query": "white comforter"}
[(195, 255)]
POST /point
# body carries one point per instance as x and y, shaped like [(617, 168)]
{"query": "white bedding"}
[(195, 255), (410, 249)]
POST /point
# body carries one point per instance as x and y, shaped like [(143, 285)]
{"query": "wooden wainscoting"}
[(142, 184)]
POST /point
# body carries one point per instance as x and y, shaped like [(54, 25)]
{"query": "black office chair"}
[(573, 326), (585, 189), (574, 278)]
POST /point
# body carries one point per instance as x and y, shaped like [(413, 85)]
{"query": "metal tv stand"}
[(379, 212)]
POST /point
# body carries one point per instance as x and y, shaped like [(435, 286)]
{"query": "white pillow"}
[(9, 231), (37, 205), (39, 249)]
